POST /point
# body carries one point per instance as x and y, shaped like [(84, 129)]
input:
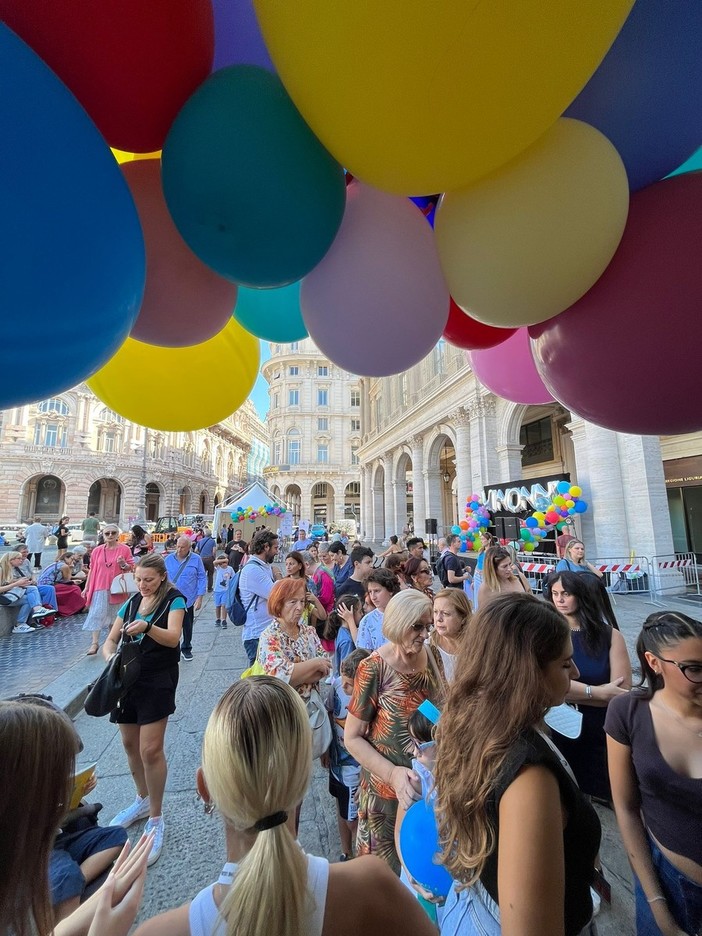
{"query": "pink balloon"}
[(185, 302), (377, 303), (509, 370), (627, 355)]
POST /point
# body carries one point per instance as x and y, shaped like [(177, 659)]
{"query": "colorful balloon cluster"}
[(282, 196), (248, 513), (565, 503), (477, 519)]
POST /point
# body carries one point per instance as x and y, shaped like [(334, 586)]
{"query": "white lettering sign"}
[(517, 499)]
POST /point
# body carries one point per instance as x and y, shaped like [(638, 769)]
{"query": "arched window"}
[(109, 416), (54, 406), (294, 444)]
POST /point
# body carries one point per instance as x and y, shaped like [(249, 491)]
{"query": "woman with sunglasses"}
[(418, 575), (107, 561), (654, 748), (389, 685)]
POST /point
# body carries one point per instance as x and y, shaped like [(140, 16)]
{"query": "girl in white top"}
[(452, 611), (256, 768)]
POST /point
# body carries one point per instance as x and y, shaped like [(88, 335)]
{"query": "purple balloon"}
[(377, 303), (238, 39), (509, 370)]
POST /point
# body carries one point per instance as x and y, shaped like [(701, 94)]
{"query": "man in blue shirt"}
[(302, 542), (187, 573), (255, 584)]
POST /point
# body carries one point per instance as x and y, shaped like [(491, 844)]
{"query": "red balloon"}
[(185, 302), (626, 355), (464, 332), (132, 64)]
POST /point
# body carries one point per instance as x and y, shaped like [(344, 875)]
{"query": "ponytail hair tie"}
[(270, 822)]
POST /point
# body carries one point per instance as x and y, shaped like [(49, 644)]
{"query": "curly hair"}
[(512, 640)]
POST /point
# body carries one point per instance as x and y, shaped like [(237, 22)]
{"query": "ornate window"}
[(294, 447), (322, 453), (322, 370), (293, 371), (355, 460), (53, 406), (355, 425), (293, 397), (355, 398), (323, 397), (322, 424)]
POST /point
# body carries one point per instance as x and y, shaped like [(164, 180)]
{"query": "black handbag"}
[(116, 679)]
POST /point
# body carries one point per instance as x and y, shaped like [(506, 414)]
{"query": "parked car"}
[(317, 531)]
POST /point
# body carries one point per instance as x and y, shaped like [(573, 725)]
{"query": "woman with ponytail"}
[(256, 769)]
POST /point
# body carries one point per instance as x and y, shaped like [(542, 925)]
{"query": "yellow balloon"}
[(424, 96), (122, 156), (528, 240), (151, 385)]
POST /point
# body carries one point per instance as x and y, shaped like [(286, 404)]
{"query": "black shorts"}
[(345, 798), (149, 700)]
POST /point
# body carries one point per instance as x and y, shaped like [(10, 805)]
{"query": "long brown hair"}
[(39, 746), (511, 641), (494, 555)]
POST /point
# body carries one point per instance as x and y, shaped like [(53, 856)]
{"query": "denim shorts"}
[(683, 895), (70, 851)]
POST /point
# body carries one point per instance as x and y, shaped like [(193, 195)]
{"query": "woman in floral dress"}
[(389, 685)]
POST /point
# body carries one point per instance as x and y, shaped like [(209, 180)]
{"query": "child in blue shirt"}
[(344, 771), (223, 574)]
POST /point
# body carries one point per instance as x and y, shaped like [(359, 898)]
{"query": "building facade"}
[(73, 455), (314, 428), (434, 435)]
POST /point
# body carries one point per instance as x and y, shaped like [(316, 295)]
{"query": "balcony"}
[(48, 450)]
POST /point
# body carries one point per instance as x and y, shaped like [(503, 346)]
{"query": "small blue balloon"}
[(419, 844), (531, 522), (271, 314), (73, 261), (456, 530), (580, 506), (563, 487)]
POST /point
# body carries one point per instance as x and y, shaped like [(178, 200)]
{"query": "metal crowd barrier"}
[(675, 574)]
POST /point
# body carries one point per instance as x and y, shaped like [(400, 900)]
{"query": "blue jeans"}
[(31, 599), (683, 895), (48, 595), (251, 649)]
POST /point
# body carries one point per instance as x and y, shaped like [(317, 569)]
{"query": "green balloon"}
[(249, 186), (271, 314), (525, 534)]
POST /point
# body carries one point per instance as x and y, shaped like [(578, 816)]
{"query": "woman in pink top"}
[(106, 562)]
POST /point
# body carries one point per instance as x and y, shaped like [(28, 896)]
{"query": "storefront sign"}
[(683, 472), (521, 496)]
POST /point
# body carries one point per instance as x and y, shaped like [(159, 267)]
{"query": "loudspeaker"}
[(430, 526), (507, 528)]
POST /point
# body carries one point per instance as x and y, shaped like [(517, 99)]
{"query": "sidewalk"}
[(194, 845)]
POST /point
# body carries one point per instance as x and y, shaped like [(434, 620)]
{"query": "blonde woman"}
[(510, 809), (106, 562), (499, 577), (574, 559), (256, 769), (389, 685), (16, 588), (452, 611)]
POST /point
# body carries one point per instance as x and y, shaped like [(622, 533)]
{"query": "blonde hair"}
[(257, 761), (7, 572), (493, 557), (569, 547), (461, 606), (402, 611)]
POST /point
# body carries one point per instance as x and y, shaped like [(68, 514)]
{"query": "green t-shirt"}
[(90, 525)]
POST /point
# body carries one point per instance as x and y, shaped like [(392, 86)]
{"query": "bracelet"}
[(148, 627), (657, 897), (588, 691)]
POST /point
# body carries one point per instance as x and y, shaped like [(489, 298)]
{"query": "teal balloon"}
[(693, 164), (72, 263), (250, 188), (271, 314)]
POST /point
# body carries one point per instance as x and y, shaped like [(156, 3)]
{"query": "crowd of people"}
[(344, 656)]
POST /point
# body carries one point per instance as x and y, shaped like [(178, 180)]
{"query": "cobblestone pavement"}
[(194, 845)]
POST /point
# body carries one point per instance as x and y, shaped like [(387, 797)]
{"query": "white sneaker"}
[(158, 827), (24, 629), (41, 612), (139, 809)]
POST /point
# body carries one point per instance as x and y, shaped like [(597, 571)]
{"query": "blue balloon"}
[(580, 506), (645, 95), (73, 261), (693, 164), (456, 530), (249, 186), (419, 844), (271, 314), (563, 487), (531, 522)]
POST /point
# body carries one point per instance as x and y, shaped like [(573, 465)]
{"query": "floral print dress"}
[(278, 652), (385, 698)]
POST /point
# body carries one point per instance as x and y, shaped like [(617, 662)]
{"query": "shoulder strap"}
[(180, 568)]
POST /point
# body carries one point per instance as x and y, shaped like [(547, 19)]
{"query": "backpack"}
[(235, 606), (55, 530), (442, 571)]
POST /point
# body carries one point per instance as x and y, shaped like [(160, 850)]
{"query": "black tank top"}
[(581, 836)]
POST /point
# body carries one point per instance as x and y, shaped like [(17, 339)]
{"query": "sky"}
[(259, 394)]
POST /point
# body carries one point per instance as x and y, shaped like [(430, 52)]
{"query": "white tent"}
[(254, 496)]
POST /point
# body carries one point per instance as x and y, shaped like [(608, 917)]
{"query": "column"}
[(418, 499), (646, 502), (366, 511), (378, 533), (483, 438), (389, 520), (597, 457), (464, 477), (399, 489), (509, 459)]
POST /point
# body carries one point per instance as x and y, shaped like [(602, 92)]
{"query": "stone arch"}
[(378, 502), (43, 495), (323, 501), (442, 502), (154, 492), (105, 499), (404, 490), (186, 500), (293, 500)]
